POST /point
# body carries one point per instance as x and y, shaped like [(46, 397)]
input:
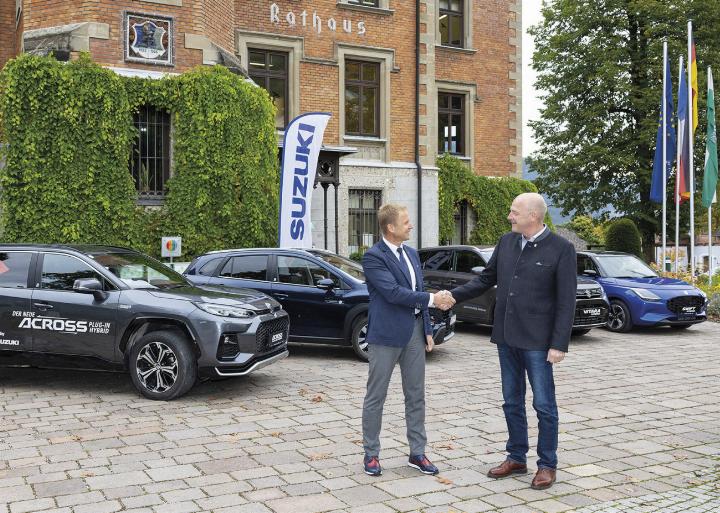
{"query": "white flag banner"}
[(301, 148)]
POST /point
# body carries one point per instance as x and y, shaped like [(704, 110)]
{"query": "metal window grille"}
[(150, 163), (451, 123), (452, 30), (269, 70), (363, 229), (362, 98)]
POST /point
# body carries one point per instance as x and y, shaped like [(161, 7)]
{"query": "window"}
[(363, 229), (14, 268), (269, 70), (460, 217), (451, 123), (59, 272), (451, 23), (466, 260), (299, 271), (150, 163), (362, 98), (438, 261), (208, 269), (585, 263), (366, 3), (250, 267)]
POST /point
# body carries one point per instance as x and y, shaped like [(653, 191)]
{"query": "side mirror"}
[(326, 284), (477, 270), (90, 286), (590, 272)]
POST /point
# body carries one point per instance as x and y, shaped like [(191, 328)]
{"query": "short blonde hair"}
[(389, 214)]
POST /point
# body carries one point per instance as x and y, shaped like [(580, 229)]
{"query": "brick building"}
[(353, 58)]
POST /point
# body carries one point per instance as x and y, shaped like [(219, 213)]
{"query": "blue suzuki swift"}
[(638, 296)]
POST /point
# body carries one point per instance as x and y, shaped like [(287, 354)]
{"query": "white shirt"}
[(524, 241), (409, 266)]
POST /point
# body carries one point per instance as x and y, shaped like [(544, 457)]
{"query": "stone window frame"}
[(385, 57), (292, 45), (382, 7), (469, 91), (467, 27)]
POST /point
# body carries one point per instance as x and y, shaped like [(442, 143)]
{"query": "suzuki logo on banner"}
[(303, 140)]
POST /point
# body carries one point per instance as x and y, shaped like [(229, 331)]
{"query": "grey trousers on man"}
[(382, 360)]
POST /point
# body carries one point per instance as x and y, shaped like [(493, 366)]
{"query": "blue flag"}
[(656, 189)]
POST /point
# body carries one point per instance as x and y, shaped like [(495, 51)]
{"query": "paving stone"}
[(308, 504)]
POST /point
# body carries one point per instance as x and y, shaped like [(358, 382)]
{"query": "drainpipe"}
[(417, 123)]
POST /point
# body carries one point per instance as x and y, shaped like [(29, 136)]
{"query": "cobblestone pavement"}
[(640, 431)]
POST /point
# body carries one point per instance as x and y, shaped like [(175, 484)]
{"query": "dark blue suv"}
[(323, 293)]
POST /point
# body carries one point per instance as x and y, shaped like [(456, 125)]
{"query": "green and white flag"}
[(710, 179)]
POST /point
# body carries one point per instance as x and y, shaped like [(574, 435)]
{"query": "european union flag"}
[(656, 189)]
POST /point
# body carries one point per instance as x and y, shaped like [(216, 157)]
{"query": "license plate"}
[(453, 318), (591, 311), (277, 337), (686, 316)]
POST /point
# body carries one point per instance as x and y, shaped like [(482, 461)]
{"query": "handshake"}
[(444, 300)]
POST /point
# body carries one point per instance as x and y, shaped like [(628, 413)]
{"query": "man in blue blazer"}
[(398, 332), (535, 274)]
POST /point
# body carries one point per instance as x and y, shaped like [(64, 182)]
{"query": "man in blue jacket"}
[(398, 332), (535, 274)]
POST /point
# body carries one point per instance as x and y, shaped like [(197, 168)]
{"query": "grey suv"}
[(116, 309)]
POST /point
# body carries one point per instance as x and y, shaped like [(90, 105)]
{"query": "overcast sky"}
[(530, 103)]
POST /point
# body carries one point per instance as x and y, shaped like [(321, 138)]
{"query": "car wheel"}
[(580, 333), (619, 319), (680, 326), (162, 365), (358, 338)]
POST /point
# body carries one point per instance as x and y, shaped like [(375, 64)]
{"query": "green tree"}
[(585, 227), (623, 235), (599, 65)]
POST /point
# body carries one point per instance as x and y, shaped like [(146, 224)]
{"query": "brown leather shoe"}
[(507, 468), (544, 479)]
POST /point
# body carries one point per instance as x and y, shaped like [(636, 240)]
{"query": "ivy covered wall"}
[(490, 198), (67, 133)]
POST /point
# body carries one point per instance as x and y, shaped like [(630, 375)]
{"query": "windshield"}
[(624, 266), (139, 271), (346, 265)]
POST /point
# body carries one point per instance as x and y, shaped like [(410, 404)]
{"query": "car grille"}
[(676, 304), (589, 293), (265, 332), (587, 319)]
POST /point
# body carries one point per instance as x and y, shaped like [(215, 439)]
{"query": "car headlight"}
[(646, 294), (225, 311)]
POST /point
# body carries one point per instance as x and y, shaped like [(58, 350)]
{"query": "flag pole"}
[(664, 157), (691, 134), (677, 188), (710, 260)]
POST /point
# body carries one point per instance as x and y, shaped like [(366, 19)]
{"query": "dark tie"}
[(403, 265)]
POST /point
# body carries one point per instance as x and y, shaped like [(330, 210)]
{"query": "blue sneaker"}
[(372, 466), (423, 465)]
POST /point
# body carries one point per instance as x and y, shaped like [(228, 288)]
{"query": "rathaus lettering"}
[(305, 19)]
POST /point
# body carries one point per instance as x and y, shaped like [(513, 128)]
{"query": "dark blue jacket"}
[(391, 315), (536, 288)]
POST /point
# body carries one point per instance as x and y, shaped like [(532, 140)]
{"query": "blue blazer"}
[(392, 300)]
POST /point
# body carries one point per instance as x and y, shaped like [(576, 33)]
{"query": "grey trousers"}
[(382, 360)]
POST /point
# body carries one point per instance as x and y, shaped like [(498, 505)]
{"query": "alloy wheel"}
[(616, 317), (362, 342), (157, 367)]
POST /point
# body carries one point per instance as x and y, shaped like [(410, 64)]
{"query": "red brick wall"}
[(489, 68), (7, 31), (319, 83)]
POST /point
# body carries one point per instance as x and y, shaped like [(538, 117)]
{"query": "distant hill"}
[(555, 212)]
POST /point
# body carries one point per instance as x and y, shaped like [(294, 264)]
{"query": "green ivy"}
[(490, 198), (68, 134)]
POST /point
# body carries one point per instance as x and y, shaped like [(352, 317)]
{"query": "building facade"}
[(404, 81)]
